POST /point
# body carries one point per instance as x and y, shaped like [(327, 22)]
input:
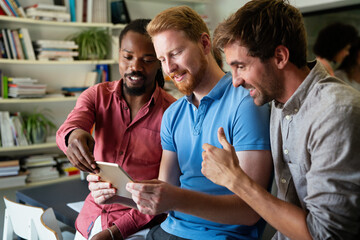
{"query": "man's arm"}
[(153, 197), (221, 166)]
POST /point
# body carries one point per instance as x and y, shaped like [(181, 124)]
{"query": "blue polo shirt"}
[(185, 128)]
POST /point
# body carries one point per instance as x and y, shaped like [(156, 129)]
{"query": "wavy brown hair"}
[(263, 25)]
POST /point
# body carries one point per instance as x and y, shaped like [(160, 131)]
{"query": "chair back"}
[(26, 222), (49, 226)]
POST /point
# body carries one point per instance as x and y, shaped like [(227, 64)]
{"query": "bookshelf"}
[(55, 74)]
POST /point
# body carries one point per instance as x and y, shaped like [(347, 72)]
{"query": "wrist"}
[(115, 232)]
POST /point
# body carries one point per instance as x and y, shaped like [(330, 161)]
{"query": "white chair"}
[(31, 223)]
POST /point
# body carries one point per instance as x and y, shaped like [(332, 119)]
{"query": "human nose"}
[(136, 65), (168, 66), (237, 81)]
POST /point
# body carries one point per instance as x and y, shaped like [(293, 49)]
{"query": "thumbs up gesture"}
[(221, 166)]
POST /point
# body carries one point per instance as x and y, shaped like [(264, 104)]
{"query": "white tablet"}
[(116, 175)]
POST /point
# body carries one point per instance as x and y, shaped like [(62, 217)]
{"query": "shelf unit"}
[(54, 74)]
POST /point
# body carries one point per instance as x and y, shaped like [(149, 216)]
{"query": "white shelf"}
[(43, 146), (77, 62), (55, 23), (38, 100), (175, 1)]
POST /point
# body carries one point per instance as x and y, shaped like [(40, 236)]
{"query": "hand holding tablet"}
[(113, 173)]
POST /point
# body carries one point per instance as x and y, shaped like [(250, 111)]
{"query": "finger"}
[(75, 162), (222, 139), (141, 187), (87, 155), (102, 199), (95, 186), (78, 159), (93, 178), (103, 192)]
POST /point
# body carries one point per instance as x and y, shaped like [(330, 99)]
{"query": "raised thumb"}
[(222, 139)]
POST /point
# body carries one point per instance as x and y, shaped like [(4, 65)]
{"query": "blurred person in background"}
[(333, 44), (349, 70)]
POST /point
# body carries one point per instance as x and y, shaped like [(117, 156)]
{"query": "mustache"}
[(134, 74)]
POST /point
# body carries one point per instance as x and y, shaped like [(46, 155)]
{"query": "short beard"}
[(189, 85), (134, 91)]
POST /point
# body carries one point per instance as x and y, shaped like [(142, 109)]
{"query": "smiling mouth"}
[(177, 77)]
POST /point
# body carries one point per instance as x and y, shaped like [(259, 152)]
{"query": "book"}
[(72, 10), (7, 138), (14, 181), (16, 8), (89, 10), (119, 12), (6, 43), (22, 41), (48, 7), (9, 168), (79, 5), (5, 8), (21, 9), (18, 47), (2, 47), (7, 2), (11, 44), (28, 44)]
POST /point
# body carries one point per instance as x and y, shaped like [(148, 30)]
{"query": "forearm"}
[(225, 209), (285, 217)]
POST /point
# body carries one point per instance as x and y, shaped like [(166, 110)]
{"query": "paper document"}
[(76, 206)]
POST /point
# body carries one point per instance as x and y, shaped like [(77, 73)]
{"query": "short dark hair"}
[(139, 26), (351, 60), (263, 25), (333, 38)]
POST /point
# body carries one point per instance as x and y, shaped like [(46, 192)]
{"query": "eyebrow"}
[(145, 55), (235, 62)]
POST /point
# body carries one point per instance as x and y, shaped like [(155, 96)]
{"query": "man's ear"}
[(205, 43), (281, 56)]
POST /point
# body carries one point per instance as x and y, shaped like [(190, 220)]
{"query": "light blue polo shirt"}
[(185, 128)]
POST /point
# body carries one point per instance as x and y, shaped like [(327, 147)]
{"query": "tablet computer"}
[(118, 177)]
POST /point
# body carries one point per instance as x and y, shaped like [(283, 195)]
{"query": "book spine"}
[(72, 10), (19, 50), (12, 44), (6, 43), (5, 8), (16, 8), (89, 9), (7, 2), (28, 44), (21, 37)]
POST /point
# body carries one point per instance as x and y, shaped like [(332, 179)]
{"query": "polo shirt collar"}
[(218, 91)]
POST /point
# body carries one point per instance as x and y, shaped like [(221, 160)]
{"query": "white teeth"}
[(135, 78)]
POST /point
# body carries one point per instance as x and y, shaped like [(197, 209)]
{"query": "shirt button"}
[(103, 211), (296, 110), (126, 108), (194, 108), (286, 151), (283, 180), (121, 152), (288, 117)]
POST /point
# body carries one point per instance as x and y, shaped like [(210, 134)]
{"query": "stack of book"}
[(25, 88), (12, 132), (56, 50), (10, 174), (16, 44), (41, 167), (65, 167), (49, 12)]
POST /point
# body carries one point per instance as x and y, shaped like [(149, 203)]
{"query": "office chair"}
[(31, 223)]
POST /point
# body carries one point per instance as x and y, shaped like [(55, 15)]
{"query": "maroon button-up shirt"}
[(134, 145)]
